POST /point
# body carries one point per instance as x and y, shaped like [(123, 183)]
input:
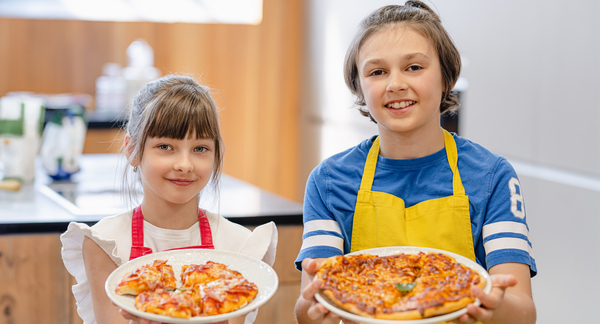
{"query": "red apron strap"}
[(205, 233), (137, 235)]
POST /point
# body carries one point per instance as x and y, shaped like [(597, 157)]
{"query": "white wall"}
[(533, 69)]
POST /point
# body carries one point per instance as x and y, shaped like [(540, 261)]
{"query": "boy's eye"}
[(414, 68), (376, 72)]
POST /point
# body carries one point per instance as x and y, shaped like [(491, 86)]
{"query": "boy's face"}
[(401, 80)]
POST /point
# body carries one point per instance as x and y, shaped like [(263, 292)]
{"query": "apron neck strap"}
[(451, 152), (370, 165), (137, 234), (137, 227)]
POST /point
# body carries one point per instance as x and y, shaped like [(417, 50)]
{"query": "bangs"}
[(181, 112)]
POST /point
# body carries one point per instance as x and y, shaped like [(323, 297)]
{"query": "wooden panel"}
[(32, 273), (280, 309), (255, 70), (102, 141)]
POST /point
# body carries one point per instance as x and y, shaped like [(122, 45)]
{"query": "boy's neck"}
[(394, 145), (170, 216)]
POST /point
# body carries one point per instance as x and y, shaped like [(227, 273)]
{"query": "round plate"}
[(391, 250), (252, 269)]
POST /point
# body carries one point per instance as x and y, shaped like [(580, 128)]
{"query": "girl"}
[(174, 145), (416, 184)]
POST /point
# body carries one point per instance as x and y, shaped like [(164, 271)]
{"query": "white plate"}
[(252, 269), (408, 250)]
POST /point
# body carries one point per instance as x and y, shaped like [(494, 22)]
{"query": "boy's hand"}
[(489, 302), (316, 311)]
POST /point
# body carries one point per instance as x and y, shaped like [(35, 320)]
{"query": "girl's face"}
[(175, 171), (401, 80)]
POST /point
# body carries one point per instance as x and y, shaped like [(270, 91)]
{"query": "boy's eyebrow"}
[(416, 55), (407, 57)]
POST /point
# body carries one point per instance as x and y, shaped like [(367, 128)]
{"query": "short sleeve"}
[(505, 232), (322, 236)]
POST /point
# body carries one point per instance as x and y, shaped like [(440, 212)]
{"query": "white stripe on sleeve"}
[(323, 225), (323, 240), (507, 243), (504, 227)]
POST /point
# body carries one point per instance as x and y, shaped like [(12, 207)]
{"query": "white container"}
[(21, 120)]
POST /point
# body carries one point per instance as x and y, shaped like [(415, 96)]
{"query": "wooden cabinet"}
[(35, 287)]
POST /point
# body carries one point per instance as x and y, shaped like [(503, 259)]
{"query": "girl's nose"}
[(396, 82), (183, 163)]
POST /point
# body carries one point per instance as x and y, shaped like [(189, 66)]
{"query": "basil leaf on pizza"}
[(405, 286)]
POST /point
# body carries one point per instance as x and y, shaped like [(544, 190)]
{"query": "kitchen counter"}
[(48, 206)]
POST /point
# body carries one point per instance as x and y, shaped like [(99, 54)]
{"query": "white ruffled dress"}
[(113, 235)]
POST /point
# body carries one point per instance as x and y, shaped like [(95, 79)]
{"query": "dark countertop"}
[(93, 193)]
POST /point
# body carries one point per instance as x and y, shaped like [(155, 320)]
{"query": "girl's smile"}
[(181, 182)]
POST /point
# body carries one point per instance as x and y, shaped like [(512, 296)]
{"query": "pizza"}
[(194, 274), (207, 289), (147, 278), (398, 287), (176, 303), (224, 295)]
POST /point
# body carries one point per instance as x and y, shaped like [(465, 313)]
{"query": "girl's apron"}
[(137, 235), (381, 219)]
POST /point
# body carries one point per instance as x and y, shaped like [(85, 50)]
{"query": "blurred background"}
[(528, 91)]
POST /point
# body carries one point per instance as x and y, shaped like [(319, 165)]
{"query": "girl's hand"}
[(489, 302), (136, 319), (316, 311)]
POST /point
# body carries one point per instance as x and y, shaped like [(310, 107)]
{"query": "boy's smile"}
[(401, 80)]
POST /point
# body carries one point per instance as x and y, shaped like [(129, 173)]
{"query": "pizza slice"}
[(147, 278), (178, 303), (194, 274), (224, 295)]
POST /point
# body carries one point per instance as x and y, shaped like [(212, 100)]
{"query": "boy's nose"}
[(396, 82)]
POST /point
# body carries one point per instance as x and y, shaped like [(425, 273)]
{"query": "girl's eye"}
[(414, 68), (164, 147), (200, 149), (376, 72)]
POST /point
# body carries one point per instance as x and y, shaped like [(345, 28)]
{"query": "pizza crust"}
[(347, 280)]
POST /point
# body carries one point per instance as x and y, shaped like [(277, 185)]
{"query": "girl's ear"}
[(129, 148)]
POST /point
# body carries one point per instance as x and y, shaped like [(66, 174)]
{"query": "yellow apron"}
[(381, 219)]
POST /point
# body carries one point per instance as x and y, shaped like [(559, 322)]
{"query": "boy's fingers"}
[(311, 289), (478, 313), (310, 266)]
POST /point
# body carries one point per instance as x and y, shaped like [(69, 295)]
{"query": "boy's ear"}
[(129, 148)]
